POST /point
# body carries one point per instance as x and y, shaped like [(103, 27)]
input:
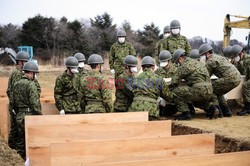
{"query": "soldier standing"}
[(175, 40), (147, 87), (66, 91), (118, 52), (96, 90), (198, 88), (166, 33), (26, 101), (228, 77), (124, 95), (15, 76)]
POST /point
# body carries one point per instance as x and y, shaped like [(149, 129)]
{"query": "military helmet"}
[(30, 66), (80, 57), (164, 56), (177, 54), (227, 52), (205, 48), (147, 60), (71, 62), (175, 24), (167, 29), (130, 60), (121, 33), (22, 56), (95, 59), (235, 50), (194, 54)]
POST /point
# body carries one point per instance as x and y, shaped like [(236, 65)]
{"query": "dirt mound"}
[(9, 157)]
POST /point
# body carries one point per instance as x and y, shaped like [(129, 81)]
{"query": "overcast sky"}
[(197, 17)]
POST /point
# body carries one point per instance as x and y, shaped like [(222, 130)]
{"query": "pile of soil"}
[(9, 157)]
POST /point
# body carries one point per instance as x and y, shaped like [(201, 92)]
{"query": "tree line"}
[(52, 38)]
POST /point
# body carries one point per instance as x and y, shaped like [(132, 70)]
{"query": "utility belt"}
[(121, 100), (202, 84), (93, 102), (23, 109), (142, 98), (71, 97)]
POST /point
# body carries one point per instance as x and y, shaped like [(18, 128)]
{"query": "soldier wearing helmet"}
[(15, 76), (237, 55), (81, 62), (26, 101), (176, 40), (198, 89), (118, 52), (124, 94), (194, 54), (243, 62), (228, 77), (97, 91), (147, 87), (166, 33), (66, 90)]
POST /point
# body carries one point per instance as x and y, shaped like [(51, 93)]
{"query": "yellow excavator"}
[(228, 25)]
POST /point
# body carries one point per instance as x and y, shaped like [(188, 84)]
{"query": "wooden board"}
[(131, 149), (224, 159), (236, 93), (40, 137), (4, 118)]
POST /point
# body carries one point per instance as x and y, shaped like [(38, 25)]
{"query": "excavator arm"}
[(228, 25), (10, 52)]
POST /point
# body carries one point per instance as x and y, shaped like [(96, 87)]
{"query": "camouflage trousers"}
[(94, 107), (199, 95), (222, 86), (121, 105), (13, 135), (246, 91), (140, 106)]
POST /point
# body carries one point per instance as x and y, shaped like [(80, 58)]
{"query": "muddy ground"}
[(232, 134)]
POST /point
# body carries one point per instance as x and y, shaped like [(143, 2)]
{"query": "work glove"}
[(62, 112), (161, 102), (112, 71)]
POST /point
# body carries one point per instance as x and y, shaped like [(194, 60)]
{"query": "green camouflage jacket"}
[(164, 72)]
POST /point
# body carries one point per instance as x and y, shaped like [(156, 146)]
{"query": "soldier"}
[(166, 33), (175, 40), (194, 54), (237, 50), (236, 60), (147, 87), (15, 76), (118, 52), (81, 60), (198, 88), (66, 91), (96, 89), (167, 69), (228, 76), (124, 95), (227, 53), (26, 101)]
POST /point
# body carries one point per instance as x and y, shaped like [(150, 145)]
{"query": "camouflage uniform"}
[(198, 88), (239, 66), (158, 47), (27, 102), (172, 43), (97, 93), (228, 78), (15, 76), (124, 95), (164, 72), (147, 87), (66, 93), (117, 53), (246, 85), (81, 75)]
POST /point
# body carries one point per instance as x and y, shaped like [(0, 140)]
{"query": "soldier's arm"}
[(209, 67), (166, 94), (164, 45), (107, 96), (9, 89), (180, 73), (58, 90), (187, 47), (111, 57), (132, 50), (34, 99)]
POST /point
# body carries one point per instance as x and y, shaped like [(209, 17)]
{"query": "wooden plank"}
[(224, 159), (82, 119), (236, 93), (4, 118), (40, 137), (131, 149)]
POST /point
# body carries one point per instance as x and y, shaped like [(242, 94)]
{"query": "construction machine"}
[(228, 25), (10, 52)]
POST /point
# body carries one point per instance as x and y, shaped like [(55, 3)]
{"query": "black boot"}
[(184, 116), (245, 110), (191, 109), (225, 110), (220, 111), (213, 112)]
